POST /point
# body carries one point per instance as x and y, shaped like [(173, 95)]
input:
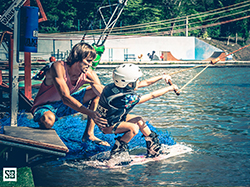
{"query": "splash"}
[(103, 161)]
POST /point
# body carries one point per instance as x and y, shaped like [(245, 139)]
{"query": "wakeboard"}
[(102, 161)]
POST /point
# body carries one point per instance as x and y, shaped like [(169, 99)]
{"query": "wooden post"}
[(27, 69), (27, 3), (228, 40), (1, 78), (27, 73)]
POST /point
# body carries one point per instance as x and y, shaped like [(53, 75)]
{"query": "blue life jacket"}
[(115, 103)]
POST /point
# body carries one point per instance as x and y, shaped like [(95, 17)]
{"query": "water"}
[(212, 116)]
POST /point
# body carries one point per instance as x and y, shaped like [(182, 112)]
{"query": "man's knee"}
[(47, 120)]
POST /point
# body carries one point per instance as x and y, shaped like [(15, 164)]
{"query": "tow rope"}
[(212, 62)]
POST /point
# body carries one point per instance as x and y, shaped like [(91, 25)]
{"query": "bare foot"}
[(95, 140)]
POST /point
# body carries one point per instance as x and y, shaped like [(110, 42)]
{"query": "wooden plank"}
[(34, 137), (32, 148)]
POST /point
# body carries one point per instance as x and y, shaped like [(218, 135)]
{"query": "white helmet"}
[(125, 74)]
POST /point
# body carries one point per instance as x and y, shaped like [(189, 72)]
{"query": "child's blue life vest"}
[(115, 103)]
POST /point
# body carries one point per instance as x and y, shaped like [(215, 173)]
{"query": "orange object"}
[(52, 59), (140, 56)]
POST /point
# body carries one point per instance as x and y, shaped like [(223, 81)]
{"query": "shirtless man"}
[(59, 94)]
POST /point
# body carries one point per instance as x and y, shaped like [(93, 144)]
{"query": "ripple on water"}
[(211, 116)]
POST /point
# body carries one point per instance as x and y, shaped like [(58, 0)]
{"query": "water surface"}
[(212, 116)]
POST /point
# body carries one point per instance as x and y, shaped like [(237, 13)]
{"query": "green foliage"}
[(214, 31), (24, 178), (74, 15)]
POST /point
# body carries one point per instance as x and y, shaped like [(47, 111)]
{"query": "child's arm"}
[(153, 80), (157, 93)]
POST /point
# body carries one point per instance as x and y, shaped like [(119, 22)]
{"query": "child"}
[(118, 99)]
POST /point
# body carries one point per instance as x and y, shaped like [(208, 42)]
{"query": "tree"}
[(72, 15)]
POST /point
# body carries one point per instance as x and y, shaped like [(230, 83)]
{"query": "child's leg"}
[(129, 130), (153, 145), (140, 122), (130, 127), (152, 141), (120, 148)]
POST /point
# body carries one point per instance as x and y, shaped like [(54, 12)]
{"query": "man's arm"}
[(95, 82), (57, 72)]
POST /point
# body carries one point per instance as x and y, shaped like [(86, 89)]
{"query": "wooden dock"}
[(25, 146)]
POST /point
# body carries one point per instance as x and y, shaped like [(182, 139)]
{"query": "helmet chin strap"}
[(131, 87)]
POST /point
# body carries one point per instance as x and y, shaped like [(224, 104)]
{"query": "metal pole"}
[(54, 48), (15, 71), (78, 25), (186, 26)]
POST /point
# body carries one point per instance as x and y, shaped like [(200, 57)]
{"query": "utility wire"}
[(184, 25), (183, 18), (179, 29), (171, 21), (176, 22)]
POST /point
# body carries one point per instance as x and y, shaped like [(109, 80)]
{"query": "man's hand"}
[(100, 122)]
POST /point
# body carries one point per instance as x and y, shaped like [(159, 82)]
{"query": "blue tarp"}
[(71, 128)]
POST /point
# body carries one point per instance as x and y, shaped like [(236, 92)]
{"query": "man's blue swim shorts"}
[(58, 108)]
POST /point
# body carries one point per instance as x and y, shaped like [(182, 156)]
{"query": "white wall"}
[(183, 48), (180, 47)]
